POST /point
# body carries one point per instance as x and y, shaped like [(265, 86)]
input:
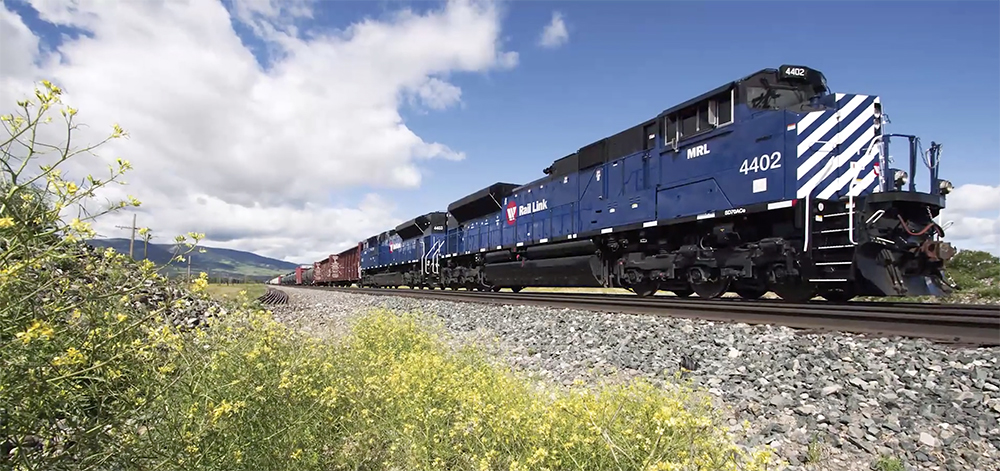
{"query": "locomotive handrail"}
[(426, 266), (850, 189), (423, 258), (436, 251), (850, 218), (850, 212), (805, 245)]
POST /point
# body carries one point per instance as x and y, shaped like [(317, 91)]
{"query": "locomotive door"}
[(593, 198)]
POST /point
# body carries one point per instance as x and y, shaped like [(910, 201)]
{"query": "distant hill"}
[(216, 262)]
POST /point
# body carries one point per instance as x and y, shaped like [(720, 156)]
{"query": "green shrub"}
[(100, 372), (977, 273), (75, 324)]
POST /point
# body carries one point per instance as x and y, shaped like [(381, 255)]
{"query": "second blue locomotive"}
[(767, 183)]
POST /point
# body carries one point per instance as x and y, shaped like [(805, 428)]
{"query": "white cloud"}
[(555, 33), (975, 211), (438, 94), (18, 47), (249, 155)]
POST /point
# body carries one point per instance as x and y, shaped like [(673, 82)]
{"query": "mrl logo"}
[(698, 151), (513, 210)]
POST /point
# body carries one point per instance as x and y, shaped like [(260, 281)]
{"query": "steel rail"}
[(273, 296), (947, 323)]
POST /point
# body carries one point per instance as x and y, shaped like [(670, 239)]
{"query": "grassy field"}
[(222, 291)]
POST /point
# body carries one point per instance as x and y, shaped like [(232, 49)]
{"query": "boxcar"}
[(323, 270), (346, 267)]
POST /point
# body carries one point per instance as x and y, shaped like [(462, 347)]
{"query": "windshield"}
[(776, 98)]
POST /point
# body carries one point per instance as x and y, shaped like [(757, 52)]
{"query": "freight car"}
[(767, 183), (303, 275), (341, 269)]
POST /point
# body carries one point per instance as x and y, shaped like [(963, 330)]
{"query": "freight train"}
[(771, 182)]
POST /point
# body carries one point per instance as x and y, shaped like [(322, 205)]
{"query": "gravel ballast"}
[(823, 401)]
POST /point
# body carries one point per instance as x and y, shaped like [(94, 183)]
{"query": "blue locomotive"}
[(767, 183)]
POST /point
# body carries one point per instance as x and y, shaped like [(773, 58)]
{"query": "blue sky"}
[(262, 128), (936, 66)]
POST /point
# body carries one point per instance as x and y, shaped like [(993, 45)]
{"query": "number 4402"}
[(762, 163)]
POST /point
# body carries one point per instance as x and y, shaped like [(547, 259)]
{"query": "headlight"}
[(901, 177), (945, 186)]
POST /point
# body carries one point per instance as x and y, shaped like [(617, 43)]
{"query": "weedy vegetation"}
[(977, 273), (99, 375), (888, 463)]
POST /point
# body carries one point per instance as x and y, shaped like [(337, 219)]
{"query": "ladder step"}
[(845, 213), (834, 263), (830, 231), (828, 247), (830, 280)]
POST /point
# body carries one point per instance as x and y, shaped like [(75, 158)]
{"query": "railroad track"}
[(962, 324), (273, 296)]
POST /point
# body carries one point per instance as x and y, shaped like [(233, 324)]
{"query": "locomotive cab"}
[(790, 87)]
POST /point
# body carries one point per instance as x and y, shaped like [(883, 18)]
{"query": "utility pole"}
[(145, 245), (131, 244), (189, 267)]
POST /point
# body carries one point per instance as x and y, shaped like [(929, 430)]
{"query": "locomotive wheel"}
[(683, 293), (711, 289), (644, 288), (751, 293), (516, 289)]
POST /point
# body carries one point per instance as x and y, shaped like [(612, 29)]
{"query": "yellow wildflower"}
[(38, 329), (72, 357), (200, 283), (77, 225)]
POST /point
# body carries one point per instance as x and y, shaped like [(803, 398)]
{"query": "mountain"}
[(216, 262)]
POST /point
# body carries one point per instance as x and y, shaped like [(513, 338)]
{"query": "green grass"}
[(977, 273), (223, 291), (888, 463)]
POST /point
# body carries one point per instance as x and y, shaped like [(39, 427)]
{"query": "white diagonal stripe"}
[(865, 183), (838, 139), (830, 123), (835, 163), (847, 177), (808, 119)]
